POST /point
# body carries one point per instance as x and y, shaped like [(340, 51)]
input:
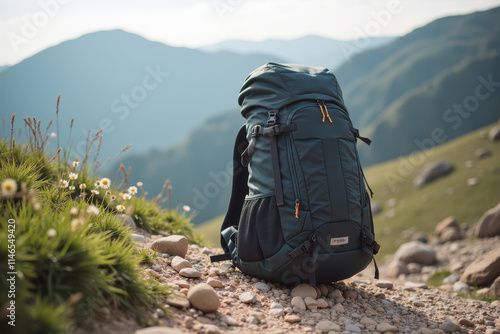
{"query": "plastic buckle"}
[(256, 131), (273, 117)]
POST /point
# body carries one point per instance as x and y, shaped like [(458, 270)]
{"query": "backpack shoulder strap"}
[(238, 192)]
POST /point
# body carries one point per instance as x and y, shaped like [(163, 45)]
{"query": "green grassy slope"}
[(422, 209)]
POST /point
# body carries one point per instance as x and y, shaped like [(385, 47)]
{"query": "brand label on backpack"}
[(339, 241)]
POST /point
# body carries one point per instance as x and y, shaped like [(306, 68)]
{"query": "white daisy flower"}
[(120, 208), (95, 192), (127, 196), (63, 184), (186, 208), (71, 188), (73, 176), (73, 211), (51, 233), (140, 184), (105, 183), (132, 190), (53, 135), (113, 197), (97, 184), (82, 186), (75, 163), (93, 210), (9, 187)]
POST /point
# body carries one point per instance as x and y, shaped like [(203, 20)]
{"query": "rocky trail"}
[(217, 298)]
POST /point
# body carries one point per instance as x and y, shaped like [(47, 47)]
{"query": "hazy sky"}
[(29, 26)]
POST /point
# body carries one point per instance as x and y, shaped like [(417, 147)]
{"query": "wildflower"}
[(105, 183), (95, 192), (97, 184), (71, 188), (132, 190), (127, 196), (63, 184), (93, 210), (73, 211), (113, 197), (108, 192), (51, 233), (9, 187), (77, 223), (186, 208), (53, 135), (73, 176), (120, 208), (83, 186), (75, 163), (140, 184)]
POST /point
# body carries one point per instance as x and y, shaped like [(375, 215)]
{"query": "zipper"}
[(324, 110)]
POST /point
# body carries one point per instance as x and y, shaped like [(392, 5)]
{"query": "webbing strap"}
[(275, 160), (371, 247)]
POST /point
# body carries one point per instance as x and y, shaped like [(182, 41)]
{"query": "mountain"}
[(308, 50), (404, 207), (199, 167), (377, 78), (140, 92), (424, 62)]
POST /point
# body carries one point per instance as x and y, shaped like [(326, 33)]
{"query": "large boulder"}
[(417, 252), (494, 133), (173, 245), (448, 230), (484, 270), (489, 223), (433, 171), (495, 288)]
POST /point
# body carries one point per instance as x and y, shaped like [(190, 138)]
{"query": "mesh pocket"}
[(259, 232)]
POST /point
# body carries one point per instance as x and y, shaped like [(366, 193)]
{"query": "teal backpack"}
[(299, 210)]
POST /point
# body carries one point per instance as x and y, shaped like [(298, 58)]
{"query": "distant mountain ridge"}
[(139, 92), (433, 84), (308, 50)]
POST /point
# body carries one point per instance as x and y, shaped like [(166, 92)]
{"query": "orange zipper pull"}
[(322, 112), (327, 114), (297, 203)]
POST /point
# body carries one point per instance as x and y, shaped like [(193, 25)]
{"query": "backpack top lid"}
[(273, 86)]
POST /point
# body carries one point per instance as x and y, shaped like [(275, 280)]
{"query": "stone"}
[(367, 322), (350, 294), (384, 327), (415, 251), (311, 303), (470, 163), (229, 320), (482, 153), (431, 172), (190, 273), (276, 312), (276, 306), (396, 268), (494, 133), (484, 269), (494, 289), (292, 318), (252, 320), (158, 330), (173, 245), (445, 223), (212, 329), (321, 303), (182, 283), (450, 325), (304, 290), (204, 298), (298, 302), (473, 181), (496, 303), (262, 286), (326, 326), (339, 308), (352, 328), (178, 300), (178, 263), (335, 294), (206, 251), (323, 289), (248, 297), (489, 223), (450, 234), (461, 287), (138, 237), (127, 221), (465, 322), (215, 283), (384, 284), (376, 208)]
